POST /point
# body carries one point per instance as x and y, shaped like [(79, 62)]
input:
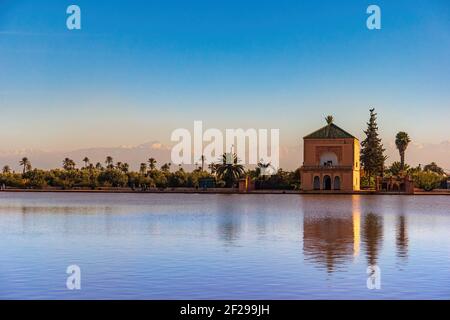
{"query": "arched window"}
[(316, 183), (326, 183), (328, 159), (337, 183)]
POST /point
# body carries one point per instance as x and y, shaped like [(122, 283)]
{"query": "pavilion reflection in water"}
[(334, 237), (331, 237)]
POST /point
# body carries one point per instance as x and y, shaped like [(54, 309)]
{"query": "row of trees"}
[(373, 160), (118, 175)]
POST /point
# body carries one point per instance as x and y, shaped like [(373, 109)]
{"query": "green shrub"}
[(365, 183), (427, 180)]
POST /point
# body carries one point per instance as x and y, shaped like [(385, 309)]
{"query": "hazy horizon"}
[(290, 157)]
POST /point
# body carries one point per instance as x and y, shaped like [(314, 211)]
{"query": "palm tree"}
[(125, 167), (98, 166), (143, 168), (68, 164), (25, 163), (396, 168), (109, 162), (6, 169), (166, 167), (152, 164), (86, 162), (261, 169), (213, 167), (202, 159), (230, 171), (329, 119), (401, 141)]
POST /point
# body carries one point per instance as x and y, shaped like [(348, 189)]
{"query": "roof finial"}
[(329, 119)]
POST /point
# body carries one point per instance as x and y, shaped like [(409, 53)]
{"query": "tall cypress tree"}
[(372, 157)]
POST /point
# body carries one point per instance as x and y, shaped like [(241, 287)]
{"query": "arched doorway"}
[(337, 183), (316, 183), (326, 183)]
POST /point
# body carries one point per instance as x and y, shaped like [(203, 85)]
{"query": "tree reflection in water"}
[(401, 238), (229, 222), (372, 236)]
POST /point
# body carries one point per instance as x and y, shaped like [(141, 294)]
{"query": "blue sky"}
[(140, 69)]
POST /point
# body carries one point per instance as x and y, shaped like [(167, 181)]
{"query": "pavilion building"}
[(331, 160)]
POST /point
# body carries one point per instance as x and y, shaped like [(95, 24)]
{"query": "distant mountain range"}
[(133, 155)]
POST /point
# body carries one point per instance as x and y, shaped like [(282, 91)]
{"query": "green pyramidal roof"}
[(330, 131)]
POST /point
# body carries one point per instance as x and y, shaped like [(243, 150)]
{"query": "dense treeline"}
[(428, 178), (118, 175)]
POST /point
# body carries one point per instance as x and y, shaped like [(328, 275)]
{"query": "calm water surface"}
[(161, 246)]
